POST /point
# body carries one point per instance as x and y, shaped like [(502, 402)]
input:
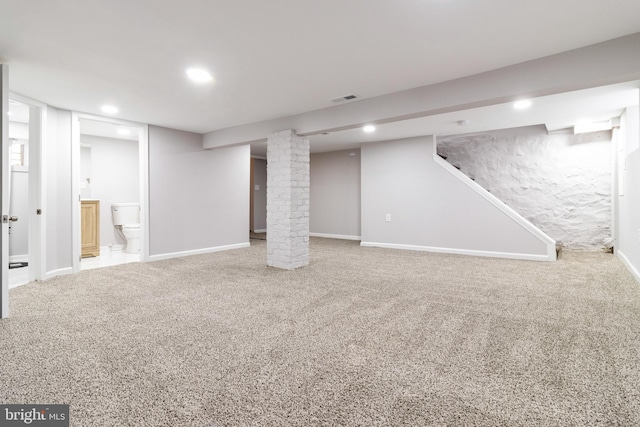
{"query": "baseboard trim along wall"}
[(59, 272), (198, 251), (335, 236), (112, 248), (622, 257), (471, 252)]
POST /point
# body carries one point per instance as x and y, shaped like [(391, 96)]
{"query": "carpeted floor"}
[(363, 336)]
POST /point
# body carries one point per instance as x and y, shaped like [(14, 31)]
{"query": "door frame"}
[(4, 184), (37, 243), (143, 171), (251, 195)]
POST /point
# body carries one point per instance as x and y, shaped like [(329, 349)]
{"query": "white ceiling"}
[(108, 130), (19, 113), (279, 57), (555, 112)]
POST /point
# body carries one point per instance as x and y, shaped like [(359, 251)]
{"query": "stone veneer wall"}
[(560, 183), (287, 200)]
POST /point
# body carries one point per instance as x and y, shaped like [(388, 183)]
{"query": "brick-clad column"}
[(287, 200)]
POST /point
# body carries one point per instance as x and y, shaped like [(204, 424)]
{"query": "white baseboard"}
[(198, 251), (335, 236), (111, 248), (19, 258), (260, 231), (472, 252), (625, 260), (59, 272)]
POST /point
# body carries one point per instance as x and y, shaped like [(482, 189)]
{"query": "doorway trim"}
[(37, 239), (4, 185), (143, 171)]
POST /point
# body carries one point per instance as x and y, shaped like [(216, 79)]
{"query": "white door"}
[(4, 178)]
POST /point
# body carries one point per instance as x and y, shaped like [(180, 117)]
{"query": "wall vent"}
[(345, 98)]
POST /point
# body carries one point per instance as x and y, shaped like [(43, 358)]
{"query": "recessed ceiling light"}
[(199, 75), (369, 128), (109, 109), (521, 105), (124, 131)]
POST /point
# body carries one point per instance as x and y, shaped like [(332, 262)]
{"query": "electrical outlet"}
[(388, 218)]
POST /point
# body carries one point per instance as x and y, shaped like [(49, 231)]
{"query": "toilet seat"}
[(131, 226)]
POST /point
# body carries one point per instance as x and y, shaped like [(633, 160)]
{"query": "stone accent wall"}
[(287, 200), (560, 183)]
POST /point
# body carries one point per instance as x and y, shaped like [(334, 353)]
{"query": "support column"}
[(287, 200)]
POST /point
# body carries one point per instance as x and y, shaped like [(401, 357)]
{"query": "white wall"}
[(560, 183), (260, 194), (198, 199), (19, 237), (57, 211), (85, 171), (628, 242), (19, 197), (431, 208), (335, 194), (19, 130), (114, 172)]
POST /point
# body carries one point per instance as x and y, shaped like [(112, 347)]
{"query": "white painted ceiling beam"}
[(604, 63)]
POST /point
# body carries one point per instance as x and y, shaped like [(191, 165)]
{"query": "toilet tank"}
[(125, 213)]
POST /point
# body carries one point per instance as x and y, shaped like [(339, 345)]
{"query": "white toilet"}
[(126, 218)]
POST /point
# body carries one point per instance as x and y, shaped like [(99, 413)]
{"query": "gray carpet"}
[(363, 336)]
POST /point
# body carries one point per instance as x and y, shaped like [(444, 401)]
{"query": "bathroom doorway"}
[(26, 247), (18, 193), (110, 164)]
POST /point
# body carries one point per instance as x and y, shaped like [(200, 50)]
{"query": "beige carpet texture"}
[(361, 337)]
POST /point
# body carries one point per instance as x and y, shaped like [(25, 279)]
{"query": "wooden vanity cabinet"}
[(90, 229)]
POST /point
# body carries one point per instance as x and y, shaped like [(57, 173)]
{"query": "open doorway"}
[(26, 248), (110, 178), (258, 199), (18, 193)]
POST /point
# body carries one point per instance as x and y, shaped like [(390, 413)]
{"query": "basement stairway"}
[(558, 245), (458, 167)]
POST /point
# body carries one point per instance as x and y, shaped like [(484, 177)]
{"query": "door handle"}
[(13, 218)]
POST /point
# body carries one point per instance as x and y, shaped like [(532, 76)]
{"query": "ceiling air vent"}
[(345, 98)]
